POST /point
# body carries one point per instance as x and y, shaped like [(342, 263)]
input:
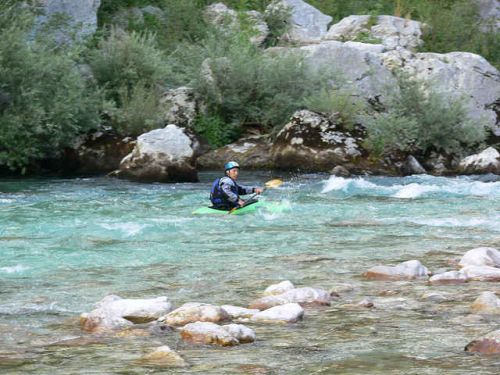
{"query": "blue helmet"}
[(230, 165)]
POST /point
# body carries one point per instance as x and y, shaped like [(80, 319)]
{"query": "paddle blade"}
[(271, 184)]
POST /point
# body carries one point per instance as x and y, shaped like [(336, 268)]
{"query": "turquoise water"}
[(65, 244)]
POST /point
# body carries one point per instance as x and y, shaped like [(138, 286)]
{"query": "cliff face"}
[(81, 14)]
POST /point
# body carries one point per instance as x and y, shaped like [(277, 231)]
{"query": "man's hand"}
[(258, 190), (241, 202)]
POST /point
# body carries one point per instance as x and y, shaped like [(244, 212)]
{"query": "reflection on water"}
[(67, 243)]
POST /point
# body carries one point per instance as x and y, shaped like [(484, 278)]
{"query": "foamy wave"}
[(452, 222), (414, 190), (14, 269), (129, 229), (335, 183), (412, 187)]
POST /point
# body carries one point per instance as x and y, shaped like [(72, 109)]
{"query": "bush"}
[(47, 103), (338, 103), (130, 69), (242, 84), (215, 130), (420, 120)]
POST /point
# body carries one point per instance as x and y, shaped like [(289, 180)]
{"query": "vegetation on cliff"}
[(116, 79)]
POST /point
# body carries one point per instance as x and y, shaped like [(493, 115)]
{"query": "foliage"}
[(276, 19), (420, 120), (215, 130), (242, 84), (129, 67), (46, 101), (139, 111), (337, 103)]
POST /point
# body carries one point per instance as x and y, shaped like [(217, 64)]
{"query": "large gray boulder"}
[(457, 75), (489, 11), (179, 106), (162, 155), (226, 20), (359, 65), (391, 32), (311, 141), (308, 24), (82, 14), (487, 161)]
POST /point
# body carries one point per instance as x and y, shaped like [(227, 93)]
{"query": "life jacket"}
[(219, 198)]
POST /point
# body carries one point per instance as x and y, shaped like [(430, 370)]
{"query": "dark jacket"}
[(226, 192)]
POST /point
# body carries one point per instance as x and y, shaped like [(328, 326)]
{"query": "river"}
[(67, 243)]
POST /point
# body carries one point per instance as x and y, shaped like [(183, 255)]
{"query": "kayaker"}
[(225, 193)]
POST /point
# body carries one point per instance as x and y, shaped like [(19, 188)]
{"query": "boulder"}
[(179, 106), (340, 171), (451, 277), (113, 312), (211, 333), (195, 312), (236, 312), (242, 333), (487, 161), (311, 141), (279, 288), (304, 295), (307, 24), (481, 273), (359, 65), (391, 32), (412, 166), (481, 256), (486, 303), (226, 20), (488, 344), (459, 74), (80, 15), (162, 155), (489, 11), (287, 313), (97, 153), (252, 153), (163, 356), (411, 269)]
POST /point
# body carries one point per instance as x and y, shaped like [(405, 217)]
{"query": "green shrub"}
[(420, 120), (338, 103), (131, 70), (215, 130), (247, 85), (47, 103), (139, 111)]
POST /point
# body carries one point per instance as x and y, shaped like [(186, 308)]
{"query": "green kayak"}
[(272, 207)]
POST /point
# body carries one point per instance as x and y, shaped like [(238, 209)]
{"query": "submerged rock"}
[(113, 313), (195, 312), (486, 303), (279, 288), (163, 356), (481, 256), (236, 312), (287, 313), (451, 277), (211, 333), (411, 269), (304, 295), (488, 344), (481, 273)]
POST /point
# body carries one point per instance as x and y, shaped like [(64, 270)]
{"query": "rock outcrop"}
[(162, 155), (487, 161)]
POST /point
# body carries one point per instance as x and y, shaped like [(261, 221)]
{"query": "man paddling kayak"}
[(225, 193)]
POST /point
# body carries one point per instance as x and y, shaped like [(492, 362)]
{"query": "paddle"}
[(271, 184)]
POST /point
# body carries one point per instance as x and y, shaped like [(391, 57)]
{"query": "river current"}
[(67, 243)]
